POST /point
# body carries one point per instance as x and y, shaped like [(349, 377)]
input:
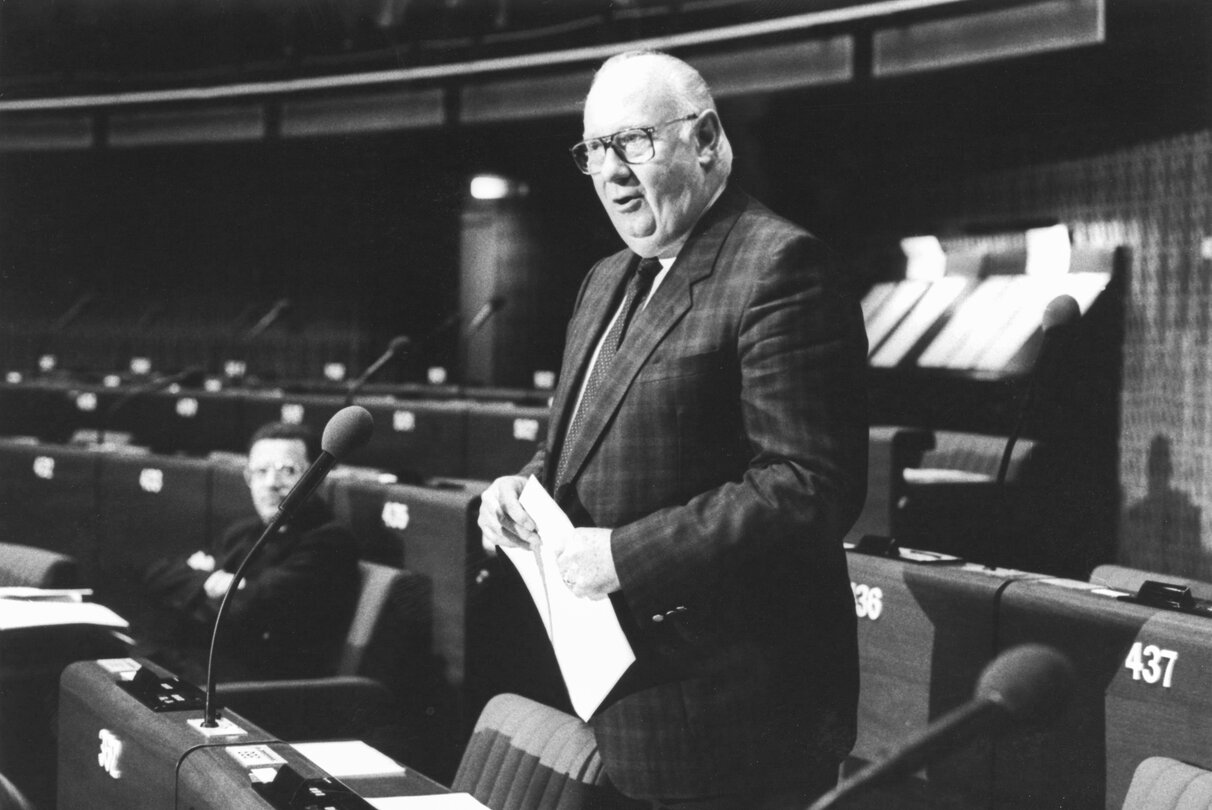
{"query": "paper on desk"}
[(45, 594), (18, 613), (438, 801), (343, 758), (590, 647)]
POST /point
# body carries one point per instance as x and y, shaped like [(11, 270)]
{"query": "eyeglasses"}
[(284, 469), (633, 145)]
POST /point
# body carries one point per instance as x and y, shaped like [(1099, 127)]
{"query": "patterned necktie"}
[(637, 291)]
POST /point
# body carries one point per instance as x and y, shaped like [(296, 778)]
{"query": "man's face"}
[(274, 466), (652, 205)]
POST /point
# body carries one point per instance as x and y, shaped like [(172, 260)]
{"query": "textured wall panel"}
[(1155, 199)]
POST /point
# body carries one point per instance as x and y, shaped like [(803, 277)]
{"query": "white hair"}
[(688, 85)]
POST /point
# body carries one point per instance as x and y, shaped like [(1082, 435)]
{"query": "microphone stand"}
[(1060, 312), (396, 345), (210, 712), (348, 428), (140, 390)]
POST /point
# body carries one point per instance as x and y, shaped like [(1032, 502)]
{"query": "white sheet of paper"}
[(17, 613), (590, 647), (341, 758), (439, 801)]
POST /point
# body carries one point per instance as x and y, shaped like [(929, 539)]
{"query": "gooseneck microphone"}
[(397, 345), (1061, 311), (347, 430), (491, 307), (1025, 685), (280, 307), (191, 377)]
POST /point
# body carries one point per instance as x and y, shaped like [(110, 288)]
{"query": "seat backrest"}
[(1161, 783), (975, 453), (524, 755), (36, 567), (392, 602)]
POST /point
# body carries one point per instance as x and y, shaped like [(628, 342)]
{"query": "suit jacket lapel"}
[(669, 304), (600, 301)]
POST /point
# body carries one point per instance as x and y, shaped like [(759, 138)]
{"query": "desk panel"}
[(502, 438), (44, 410), (31, 661), (48, 499), (1086, 758), (925, 633), (151, 507), (414, 440), (188, 421)]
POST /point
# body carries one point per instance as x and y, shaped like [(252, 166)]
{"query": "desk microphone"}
[(1028, 684), (398, 344), (191, 377), (491, 307), (347, 430), (1061, 311), (280, 307)]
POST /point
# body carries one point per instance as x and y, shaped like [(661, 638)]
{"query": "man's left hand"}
[(586, 564)]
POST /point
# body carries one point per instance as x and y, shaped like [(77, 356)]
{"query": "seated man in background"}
[(289, 615)]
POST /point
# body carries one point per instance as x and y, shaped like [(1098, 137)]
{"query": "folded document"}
[(590, 647)]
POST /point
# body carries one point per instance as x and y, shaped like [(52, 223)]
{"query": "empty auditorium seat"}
[(890, 449), (428, 530), (150, 507), (526, 756), (1160, 783), (385, 689), (48, 499), (36, 568), (944, 498)]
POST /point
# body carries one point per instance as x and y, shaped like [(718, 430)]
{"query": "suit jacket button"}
[(658, 617)]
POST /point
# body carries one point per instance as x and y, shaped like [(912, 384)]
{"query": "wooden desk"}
[(115, 753)]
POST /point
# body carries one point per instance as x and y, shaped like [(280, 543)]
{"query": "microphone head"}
[(349, 429), (496, 303), (1061, 311), (191, 377), (1030, 682), (398, 343)]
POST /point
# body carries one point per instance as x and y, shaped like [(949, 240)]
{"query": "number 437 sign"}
[(1151, 664)]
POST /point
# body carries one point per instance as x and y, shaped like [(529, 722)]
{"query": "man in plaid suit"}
[(711, 467)]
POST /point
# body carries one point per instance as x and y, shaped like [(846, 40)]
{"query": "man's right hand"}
[(502, 519)]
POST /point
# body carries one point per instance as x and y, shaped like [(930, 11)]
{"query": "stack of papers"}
[(24, 612)]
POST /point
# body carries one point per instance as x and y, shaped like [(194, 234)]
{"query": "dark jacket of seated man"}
[(292, 611)]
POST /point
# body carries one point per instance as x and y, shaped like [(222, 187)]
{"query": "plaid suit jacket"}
[(728, 454)]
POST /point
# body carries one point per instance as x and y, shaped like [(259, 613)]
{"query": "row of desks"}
[(414, 438), (927, 630)]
